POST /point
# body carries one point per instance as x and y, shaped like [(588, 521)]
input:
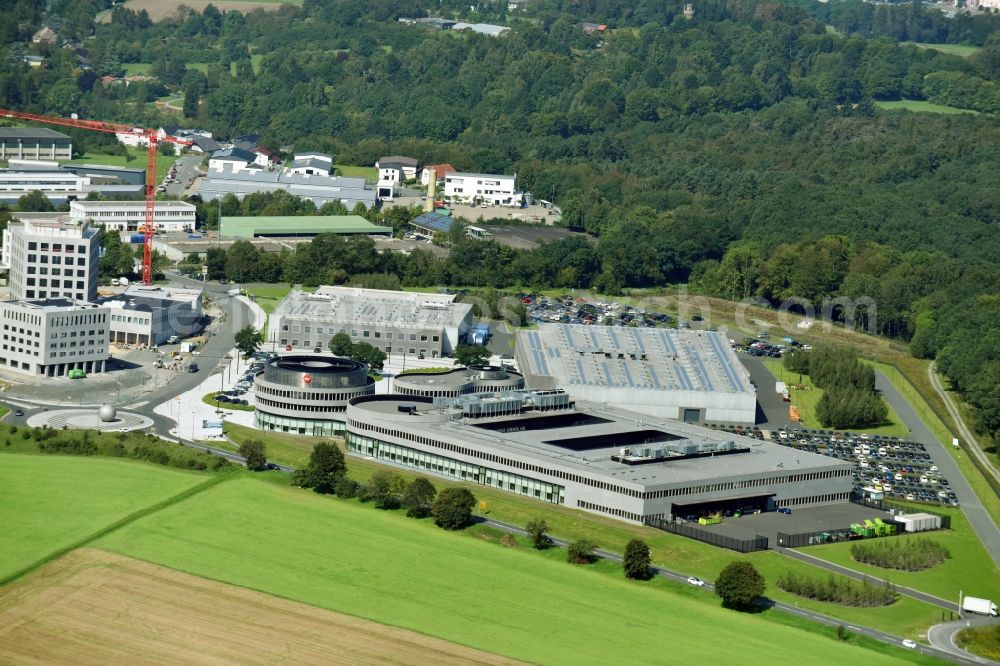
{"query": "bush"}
[(903, 554), (740, 585), (536, 532), (636, 560), (325, 469), (346, 488), (384, 489), (419, 498), (581, 551), (254, 453), (843, 591), (452, 509)]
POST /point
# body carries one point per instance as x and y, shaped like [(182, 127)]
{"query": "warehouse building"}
[(460, 381), (603, 460), (34, 143), (316, 188), (151, 315), (688, 375), (50, 337), (308, 394), (168, 216), (299, 225), (50, 255), (63, 183), (397, 322)]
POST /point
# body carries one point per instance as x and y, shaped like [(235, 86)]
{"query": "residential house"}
[(45, 36), (442, 170), (408, 165), (233, 160), (311, 164)]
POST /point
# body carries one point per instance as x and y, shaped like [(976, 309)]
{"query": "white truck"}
[(980, 606)]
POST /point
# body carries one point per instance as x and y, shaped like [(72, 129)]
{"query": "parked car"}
[(697, 582)]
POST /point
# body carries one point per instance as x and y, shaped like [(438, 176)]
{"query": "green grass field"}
[(51, 502), (385, 567), (951, 49), (138, 161), (807, 399), (984, 641), (208, 400), (907, 617), (368, 173), (970, 567), (920, 106), (268, 296)]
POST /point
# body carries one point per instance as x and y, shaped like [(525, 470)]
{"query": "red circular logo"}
[(307, 378), (288, 348)]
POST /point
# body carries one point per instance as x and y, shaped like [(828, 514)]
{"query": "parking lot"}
[(897, 468), (569, 310), (240, 391)]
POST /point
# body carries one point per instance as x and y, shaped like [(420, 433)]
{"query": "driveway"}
[(942, 636)]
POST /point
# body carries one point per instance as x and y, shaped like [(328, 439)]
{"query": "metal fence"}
[(886, 505), (802, 539), (707, 536)]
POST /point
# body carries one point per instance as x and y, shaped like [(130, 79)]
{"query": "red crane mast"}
[(152, 140)]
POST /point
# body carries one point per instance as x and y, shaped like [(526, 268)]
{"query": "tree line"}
[(849, 397), (842, 591)]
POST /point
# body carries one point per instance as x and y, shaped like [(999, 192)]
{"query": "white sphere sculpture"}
[(107, 413)]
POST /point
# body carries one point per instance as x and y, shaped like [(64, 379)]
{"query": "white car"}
[(697, 582), (907, 643)]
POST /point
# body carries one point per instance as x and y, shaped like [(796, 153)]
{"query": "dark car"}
[(193, 367), (18, 412)]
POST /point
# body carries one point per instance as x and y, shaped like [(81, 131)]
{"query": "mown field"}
[(385, 567), (952, 49), (161, 9), (920, 106), (51, 502), (970, 568), (807, 398), (907, 617)]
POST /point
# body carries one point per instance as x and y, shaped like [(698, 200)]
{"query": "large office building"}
[(460, 381), (169, 216), (319, 189), (688, 375), (617, 463), (397, 322), (151, 315), (482, 188), (51, 256), (50, 337), (34, 143), (308, 394)]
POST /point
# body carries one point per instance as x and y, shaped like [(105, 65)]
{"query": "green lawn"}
[(268, 296), (951, 49), (51, 502), (391, 569), (368, 173), (208, 400), (138, 161), (920, 106), (970, 568), (984, 641), (907, 617), (807, 399)]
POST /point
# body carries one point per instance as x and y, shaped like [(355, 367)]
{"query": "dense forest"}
[(740, 150)]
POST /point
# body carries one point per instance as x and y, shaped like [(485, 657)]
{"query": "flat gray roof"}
[(442, 424), (374, 307), (660, 359), (31, 133)]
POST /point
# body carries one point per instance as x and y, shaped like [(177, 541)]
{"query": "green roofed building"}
[(299, 225)]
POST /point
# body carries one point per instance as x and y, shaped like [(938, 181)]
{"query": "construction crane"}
[(152, 140)]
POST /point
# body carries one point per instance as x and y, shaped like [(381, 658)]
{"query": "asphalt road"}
[(186, 170), (964, 431), (772, 411), (981, 521), (942, 636)]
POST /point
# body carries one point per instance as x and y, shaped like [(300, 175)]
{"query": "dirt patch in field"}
[(161, 9), (94, 607)]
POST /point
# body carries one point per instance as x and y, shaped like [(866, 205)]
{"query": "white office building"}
[(53, 184), (397, 322), (483, 188), (51, 256), (50, 337), (169, 216)]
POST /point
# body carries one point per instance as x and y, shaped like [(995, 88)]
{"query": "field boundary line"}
[(217, 478), (963, 430)]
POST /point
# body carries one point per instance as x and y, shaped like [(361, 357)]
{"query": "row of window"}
[(377, 335), (44, 282), (404, 455), (614, 512), (388, 350), (44, 259), (314, 428), (264, 402), (749, 483), (310, 395), (56, 247), (42, 293)]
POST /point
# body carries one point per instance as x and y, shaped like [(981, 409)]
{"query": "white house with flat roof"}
[(131, 215), (482, 188)]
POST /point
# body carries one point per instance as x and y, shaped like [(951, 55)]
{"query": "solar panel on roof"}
[(628, 376), (553, 352), (667, 342), (656, 379), (593, 338), (607, 373), (734, 379), (614, 338), (682, 377), (699, 368), (579, 367)]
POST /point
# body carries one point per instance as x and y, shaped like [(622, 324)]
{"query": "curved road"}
[(942, 636), (963, 430), (978, 517)]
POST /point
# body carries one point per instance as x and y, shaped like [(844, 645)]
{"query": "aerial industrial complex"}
[(397, 322), (692, 376), (542, 444)]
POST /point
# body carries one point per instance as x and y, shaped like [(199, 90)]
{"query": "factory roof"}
[(379, 307), (659, 359), (299, 225), (584, 437), (217, 183), (31, 133), (314, 162)]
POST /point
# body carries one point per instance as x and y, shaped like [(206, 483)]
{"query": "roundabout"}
[(105, 419)]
